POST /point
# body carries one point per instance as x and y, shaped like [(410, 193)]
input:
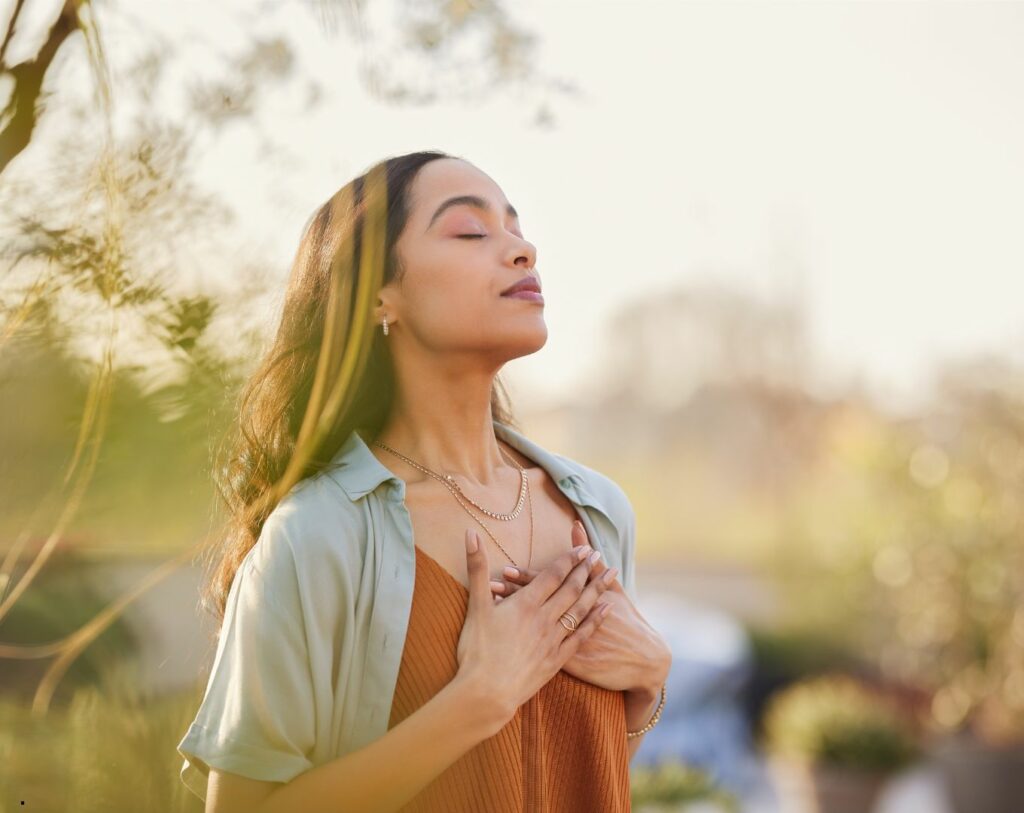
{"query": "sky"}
[(866, 158)]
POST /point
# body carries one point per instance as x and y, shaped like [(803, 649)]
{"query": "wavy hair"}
[(328, 371)]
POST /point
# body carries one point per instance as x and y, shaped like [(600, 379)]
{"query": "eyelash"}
[(475, 236)]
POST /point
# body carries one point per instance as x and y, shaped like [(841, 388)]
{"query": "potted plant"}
[(833, 742), (981, 757)]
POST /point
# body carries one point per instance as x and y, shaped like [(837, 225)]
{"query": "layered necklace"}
[(456, 491)]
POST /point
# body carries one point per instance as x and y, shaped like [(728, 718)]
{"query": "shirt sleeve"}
[(257, 716)]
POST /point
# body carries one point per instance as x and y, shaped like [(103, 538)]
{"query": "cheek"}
[(457, 283), (450, 306)]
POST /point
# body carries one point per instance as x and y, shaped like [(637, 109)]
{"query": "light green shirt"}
[(309, 649)]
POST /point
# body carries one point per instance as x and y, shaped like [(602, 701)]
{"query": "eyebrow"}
[(468, 200)]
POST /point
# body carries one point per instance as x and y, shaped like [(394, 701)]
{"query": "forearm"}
[(387, 773)]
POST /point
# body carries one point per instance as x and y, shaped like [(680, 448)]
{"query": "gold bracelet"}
[(654, 719)]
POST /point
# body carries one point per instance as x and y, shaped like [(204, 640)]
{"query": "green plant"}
[(836, 720), (112, 748), (60, 600), (670, 784), (906, 540)]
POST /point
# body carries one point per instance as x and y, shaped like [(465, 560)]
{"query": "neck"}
[(447, 430)]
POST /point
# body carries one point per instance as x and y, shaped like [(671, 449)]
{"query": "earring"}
[(385, 323)]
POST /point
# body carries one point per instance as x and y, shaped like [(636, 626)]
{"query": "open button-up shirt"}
[(311, 642)]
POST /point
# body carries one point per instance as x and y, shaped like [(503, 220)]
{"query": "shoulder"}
[(314, 530), (606, 491)]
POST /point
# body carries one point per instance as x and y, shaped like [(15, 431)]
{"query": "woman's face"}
[(458, 258)]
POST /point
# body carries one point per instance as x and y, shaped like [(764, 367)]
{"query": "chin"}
[(532, 341)]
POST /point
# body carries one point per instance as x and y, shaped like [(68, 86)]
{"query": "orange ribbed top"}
[(565, 749)]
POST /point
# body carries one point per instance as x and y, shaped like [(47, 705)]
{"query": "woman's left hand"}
[(626, 653)]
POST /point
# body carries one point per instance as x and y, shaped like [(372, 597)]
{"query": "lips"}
[(528, 283)]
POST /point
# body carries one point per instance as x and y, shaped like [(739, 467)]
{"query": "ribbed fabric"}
[(565, 750)]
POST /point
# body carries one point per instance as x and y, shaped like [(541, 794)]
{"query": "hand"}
[(525, 630), (626, 652)]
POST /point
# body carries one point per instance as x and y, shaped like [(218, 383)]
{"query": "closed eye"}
[(470, 236)]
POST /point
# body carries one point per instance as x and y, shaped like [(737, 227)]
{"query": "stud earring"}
[(385, 324)]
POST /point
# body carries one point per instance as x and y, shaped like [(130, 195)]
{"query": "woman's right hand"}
[(517, 645)]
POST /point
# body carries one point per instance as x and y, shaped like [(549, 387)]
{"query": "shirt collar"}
[(358, 471)]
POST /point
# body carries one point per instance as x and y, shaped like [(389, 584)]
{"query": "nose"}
[(523, 249)]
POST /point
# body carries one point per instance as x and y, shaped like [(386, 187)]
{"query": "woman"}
[(358, 669)]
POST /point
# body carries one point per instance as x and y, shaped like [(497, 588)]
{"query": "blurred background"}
[(780, 245)]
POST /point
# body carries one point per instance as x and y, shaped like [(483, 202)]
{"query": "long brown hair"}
[(328, 370)]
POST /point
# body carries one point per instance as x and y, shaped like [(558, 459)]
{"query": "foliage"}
[(58, 603), (835, 720), (670, 784), (785, 655), (907, 537), (111, 748)]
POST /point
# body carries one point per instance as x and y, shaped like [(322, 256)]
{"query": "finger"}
[(478, 572), (569, 593), (589, 597), (579, 533), (521, 576), (574, 640), (508, 588), (603, 582), (518, 575), (551, 578), (598, 568), (579, 537), (601, 571)]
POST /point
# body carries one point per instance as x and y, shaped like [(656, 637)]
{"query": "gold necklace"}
[(452, 488), (523, 488), (448, 480)]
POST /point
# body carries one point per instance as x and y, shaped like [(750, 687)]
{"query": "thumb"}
[(478, 571)]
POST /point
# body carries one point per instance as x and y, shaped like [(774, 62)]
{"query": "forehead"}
[(446, 177)]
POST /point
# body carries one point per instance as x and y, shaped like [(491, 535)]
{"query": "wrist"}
[(482, 710), (640, 706), (643, 699), (643, 713)]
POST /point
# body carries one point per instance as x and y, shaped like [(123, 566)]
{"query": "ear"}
[(386, 306)]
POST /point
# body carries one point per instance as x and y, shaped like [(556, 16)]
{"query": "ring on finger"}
[(572, 620)]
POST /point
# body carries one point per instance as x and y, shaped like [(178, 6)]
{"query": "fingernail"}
[(471, 541), (610, 574), (511, 572), (582, 551), (595, 556), (607, 608)]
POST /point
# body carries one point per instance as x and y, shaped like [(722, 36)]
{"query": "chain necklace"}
[(453, 487), (523, 486), (449, 481)]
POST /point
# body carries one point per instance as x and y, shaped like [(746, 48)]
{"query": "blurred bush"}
[(783, 656), (671, 786), (905, 542), (836, 720), (58, 602), (110, 749)]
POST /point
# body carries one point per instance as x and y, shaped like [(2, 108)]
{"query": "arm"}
[(424, 744), (251, 745), (640, 706)]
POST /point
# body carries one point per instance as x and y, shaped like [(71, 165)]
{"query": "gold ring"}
[(572, 620)]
